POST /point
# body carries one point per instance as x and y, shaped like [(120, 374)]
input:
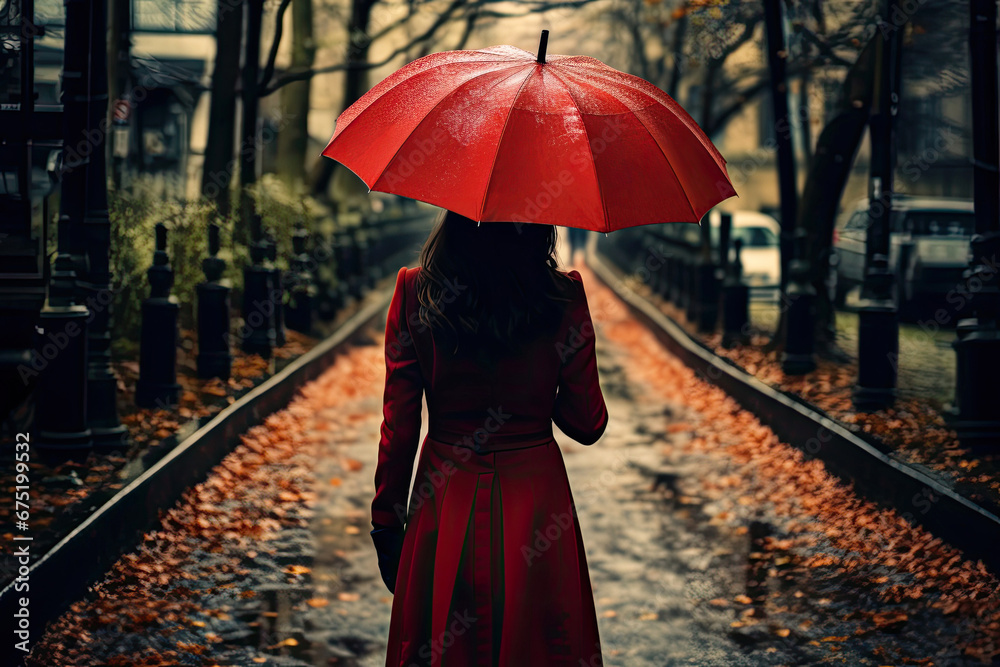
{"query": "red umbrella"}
[(497, 134)]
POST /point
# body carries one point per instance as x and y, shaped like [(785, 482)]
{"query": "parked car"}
[(760, 253), (928, 249)]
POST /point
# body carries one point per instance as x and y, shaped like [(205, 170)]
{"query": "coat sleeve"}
[(401, 406), (580, 411)]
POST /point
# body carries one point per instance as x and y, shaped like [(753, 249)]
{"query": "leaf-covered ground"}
[(914, 429), (709, 542), (63, 494)]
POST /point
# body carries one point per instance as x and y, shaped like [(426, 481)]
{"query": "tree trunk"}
[(355, 83), (218, 166), (293, 139), (119, 74), (708, 92), (249, 230), (778, 84), (677, 69), (803, 115), (828, 173)]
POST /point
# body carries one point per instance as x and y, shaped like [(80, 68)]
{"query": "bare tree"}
[(293, 140), (217, 168), (361, 37)]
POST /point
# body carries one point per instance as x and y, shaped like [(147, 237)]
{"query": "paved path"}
[(693, 559)]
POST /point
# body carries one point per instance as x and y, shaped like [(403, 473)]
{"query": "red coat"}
[(493, 570)]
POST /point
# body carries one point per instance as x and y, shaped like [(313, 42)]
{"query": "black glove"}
[(389, 545)]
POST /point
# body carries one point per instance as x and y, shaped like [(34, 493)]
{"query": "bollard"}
[(355, 254), (328, 299), (376, 253), (676, 279), (366, 246), (257, 334), (342, 257), (277, 289), (735, 302), (690, 290), (708, 297), (214, 359), (797, 358), (299, 314), (973, 414), (59, 362), (157, 385)]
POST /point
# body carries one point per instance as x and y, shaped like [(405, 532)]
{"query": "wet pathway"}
[(700, 553)]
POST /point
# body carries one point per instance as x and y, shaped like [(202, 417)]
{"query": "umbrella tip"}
[(543, 43)]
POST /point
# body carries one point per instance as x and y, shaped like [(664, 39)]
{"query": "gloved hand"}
[(389, 545)]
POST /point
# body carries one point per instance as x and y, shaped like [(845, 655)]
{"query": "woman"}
[(487, 566)]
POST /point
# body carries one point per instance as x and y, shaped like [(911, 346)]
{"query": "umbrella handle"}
[(543, 43)]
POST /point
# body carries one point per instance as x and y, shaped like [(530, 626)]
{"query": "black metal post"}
[(356, 261), (328, 299), (22, 251), (878, 324), (735, 301), (725, 235), (157, 385), (61, 356), (95, 285), (706, 287), (977, 343), (367, 262), (277, 290), (687, 285), (61, 391), (676, 277), (797, 357), (214, 358), (342, 260), (257, 334), (299, 315)]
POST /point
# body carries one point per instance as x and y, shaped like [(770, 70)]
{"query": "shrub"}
[(134, 215)]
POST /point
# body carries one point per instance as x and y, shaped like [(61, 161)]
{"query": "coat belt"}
[(483, 441)]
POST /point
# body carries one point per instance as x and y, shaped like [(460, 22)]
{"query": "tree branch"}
[(445, 17), (272, 56)]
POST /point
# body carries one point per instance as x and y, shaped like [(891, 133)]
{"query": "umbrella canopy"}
[(499, 134)]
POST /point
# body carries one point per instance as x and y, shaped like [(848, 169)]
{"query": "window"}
[(185, 16), (751, 236), (755, 237)]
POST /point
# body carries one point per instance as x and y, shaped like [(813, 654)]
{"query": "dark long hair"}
[(485, 289)]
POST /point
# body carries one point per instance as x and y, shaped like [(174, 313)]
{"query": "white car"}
[(760, 253)]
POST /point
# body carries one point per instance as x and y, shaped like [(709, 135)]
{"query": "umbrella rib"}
[(662, 152), (597, 179), (429, 112), (408, 79), (503, 132), (667, 160), (684, 117)]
